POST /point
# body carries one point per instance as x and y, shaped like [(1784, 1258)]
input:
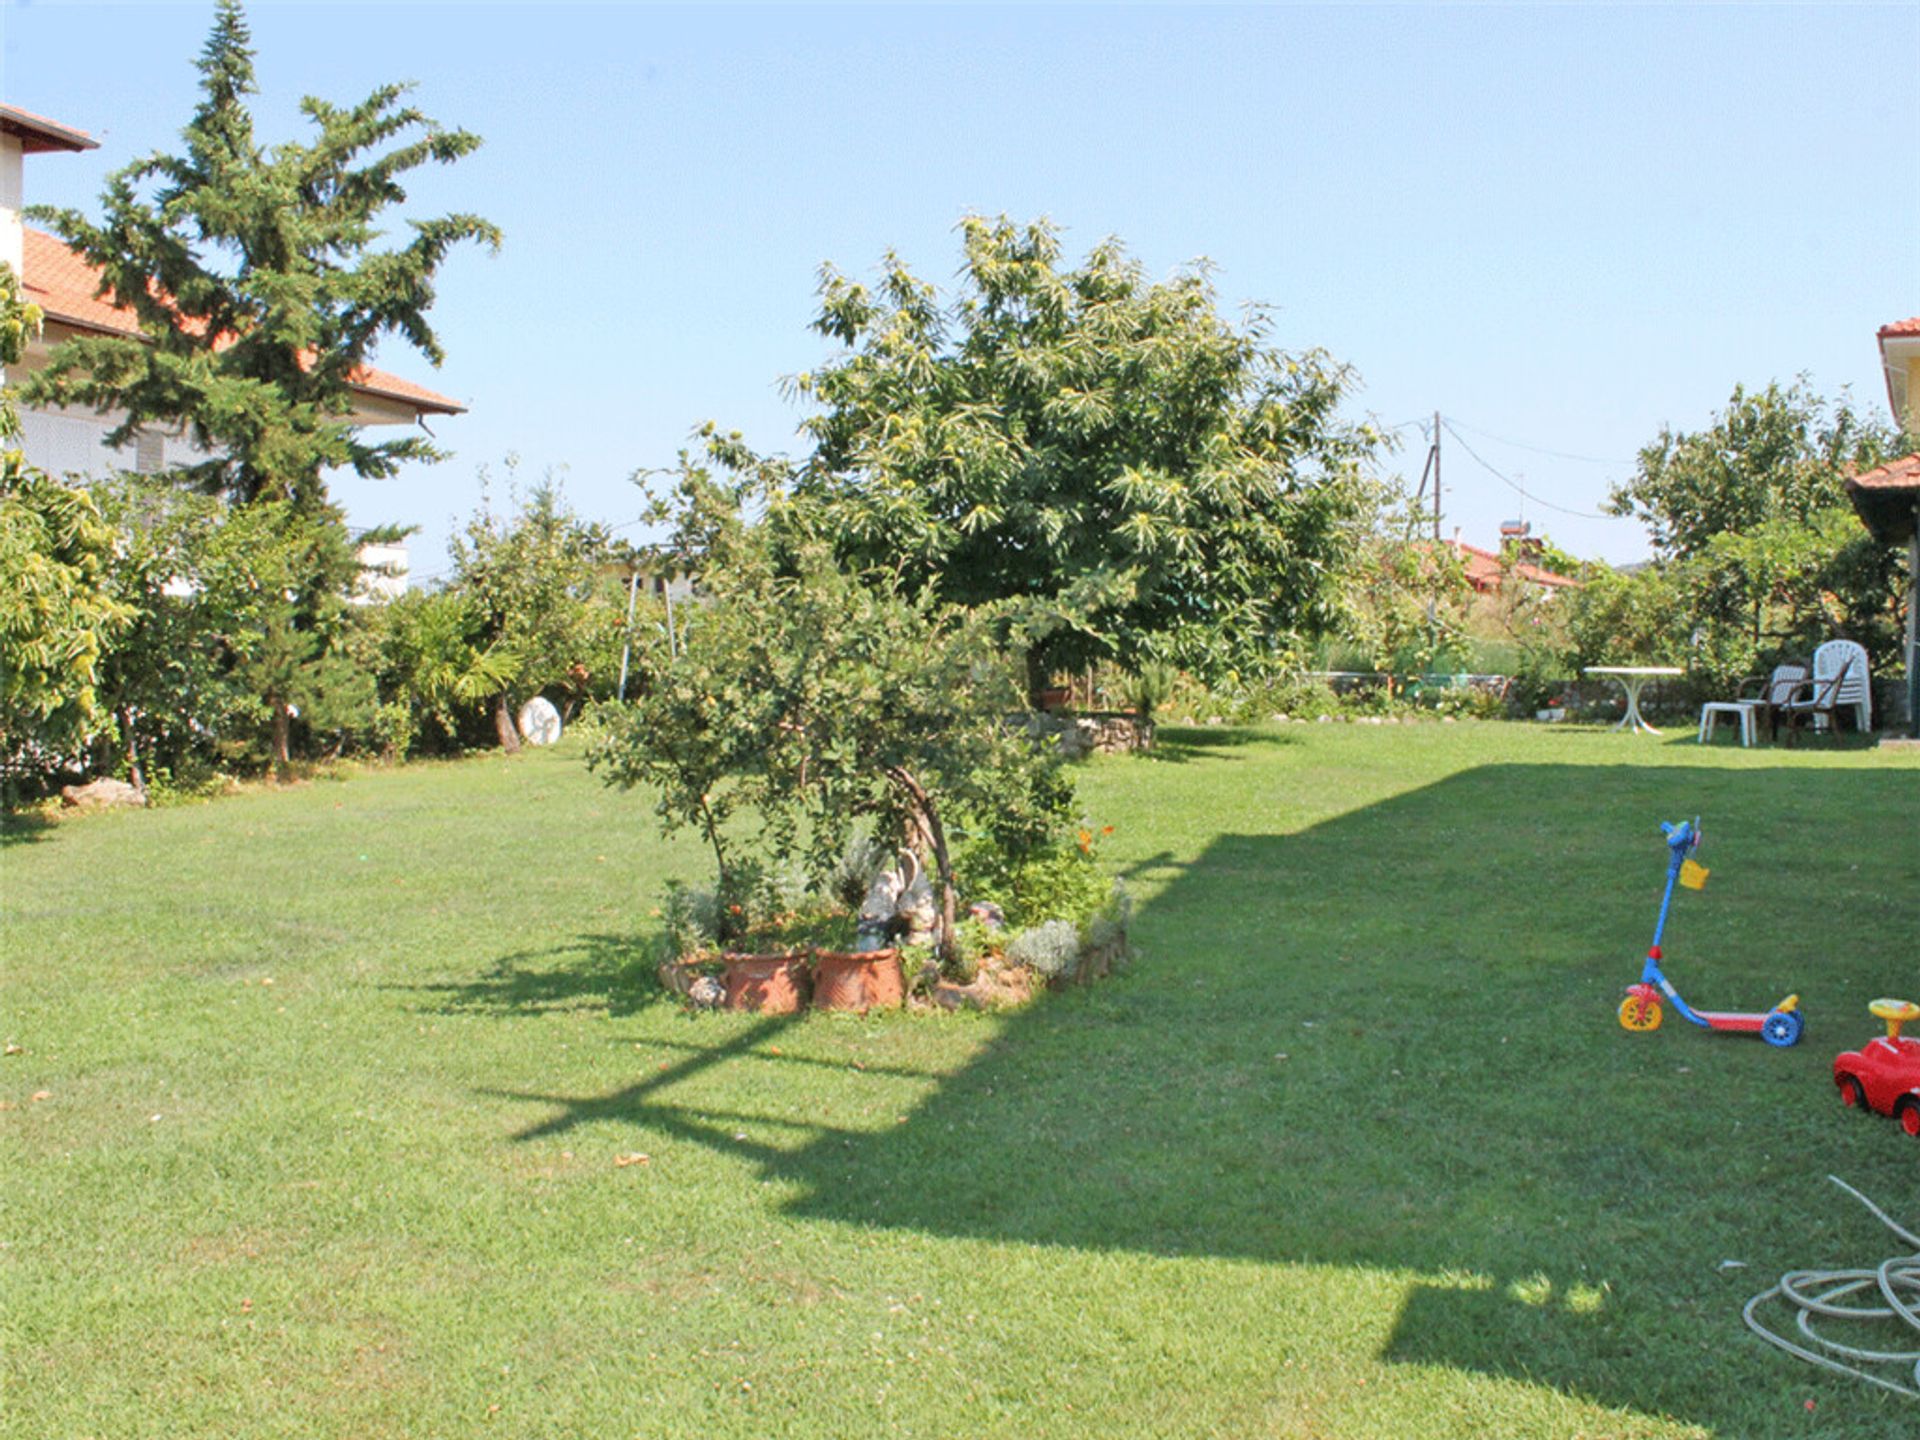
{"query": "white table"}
[(1632, 679)]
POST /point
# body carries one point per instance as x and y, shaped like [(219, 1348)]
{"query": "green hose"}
[(1819, 1293)]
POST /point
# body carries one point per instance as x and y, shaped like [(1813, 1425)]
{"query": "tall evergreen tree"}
[(261, 290), (258, 282)]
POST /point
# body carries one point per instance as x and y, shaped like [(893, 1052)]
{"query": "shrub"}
[(1051, 950), (1061, 882), (853, 873), (691, 920), (975, 943), (392, 728), (1109, 924), (1151, 688)]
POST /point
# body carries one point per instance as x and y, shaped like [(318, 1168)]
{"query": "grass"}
[(339, 1076)]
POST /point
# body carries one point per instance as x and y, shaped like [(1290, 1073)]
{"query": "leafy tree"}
[(817, 700), (261, 290), (167, 680), (540, 597), (241, 626), (1619, 618), (1405, 601), (57, 612), (271, 580), (435, 660), (258, 283), (1774, 454), (1762, 556), (1124, 472)]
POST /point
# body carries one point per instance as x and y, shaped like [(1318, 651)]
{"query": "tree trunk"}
[(727, 924), (927, 816), (282, 733), (503, 723), (135, 773), (1038, 676)]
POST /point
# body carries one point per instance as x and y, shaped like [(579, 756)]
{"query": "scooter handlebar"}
[(1682, 835)]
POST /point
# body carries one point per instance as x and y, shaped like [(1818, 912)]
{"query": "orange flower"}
[(1106, 829), (1086, 842)]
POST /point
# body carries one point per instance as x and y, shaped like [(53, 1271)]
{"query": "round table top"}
[(1634, 670)]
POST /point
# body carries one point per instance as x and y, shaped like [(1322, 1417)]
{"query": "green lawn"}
[(339, 1076)]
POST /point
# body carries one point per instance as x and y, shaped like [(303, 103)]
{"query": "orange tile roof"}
[(61, 282), (1901, 327), (1901, 474), (1485, 567)]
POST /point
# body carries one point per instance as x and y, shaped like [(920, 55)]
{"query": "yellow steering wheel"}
[(1896, 1013)]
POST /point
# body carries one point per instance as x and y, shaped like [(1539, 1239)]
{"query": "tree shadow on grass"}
[(24, 827), (1180, 745), (612, 973), (1388, 1042)]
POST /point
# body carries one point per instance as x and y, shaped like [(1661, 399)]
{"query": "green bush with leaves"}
[(1062, 881), (58, 615), (826, 705), (1106, 462), (1050, 949), (1760, 557), (538, 605)]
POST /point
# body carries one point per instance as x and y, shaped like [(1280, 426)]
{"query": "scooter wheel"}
[(1781, 1027), (1639, 1013)]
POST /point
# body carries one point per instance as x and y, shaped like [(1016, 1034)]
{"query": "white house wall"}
[(12, 196)]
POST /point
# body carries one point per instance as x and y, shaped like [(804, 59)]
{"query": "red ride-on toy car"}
[(1884, 1073)]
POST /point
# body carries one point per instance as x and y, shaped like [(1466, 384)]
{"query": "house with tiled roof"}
[(1486, 570), (1887, 498), (71, 440)]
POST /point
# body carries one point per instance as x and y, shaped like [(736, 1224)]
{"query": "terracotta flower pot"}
[(858, 981), (770, 984), (1051, 697)]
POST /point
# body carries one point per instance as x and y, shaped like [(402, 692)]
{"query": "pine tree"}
[(258, 282), (261, 291)]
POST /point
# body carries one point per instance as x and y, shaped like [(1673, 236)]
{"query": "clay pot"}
[(1051, 697), (858, 981), (769, 984)]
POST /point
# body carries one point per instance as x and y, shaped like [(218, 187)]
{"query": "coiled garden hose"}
[(1819, 1295)]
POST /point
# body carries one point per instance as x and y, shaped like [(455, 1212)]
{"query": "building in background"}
[(1887, 498), (72, 441)]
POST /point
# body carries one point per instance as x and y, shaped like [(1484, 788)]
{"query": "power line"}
[(1522, 490), (1537, 449)]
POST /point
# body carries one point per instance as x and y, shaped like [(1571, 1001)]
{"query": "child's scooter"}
[(1641, 1009)]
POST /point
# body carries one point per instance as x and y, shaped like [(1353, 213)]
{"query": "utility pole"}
[(626, 651), (1431, 471), (1430, 474)]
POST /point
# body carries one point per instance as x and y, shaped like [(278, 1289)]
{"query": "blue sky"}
[(1559, 226)]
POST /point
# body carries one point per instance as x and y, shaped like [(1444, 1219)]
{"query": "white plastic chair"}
[(1840, 681), (1775, 694)]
